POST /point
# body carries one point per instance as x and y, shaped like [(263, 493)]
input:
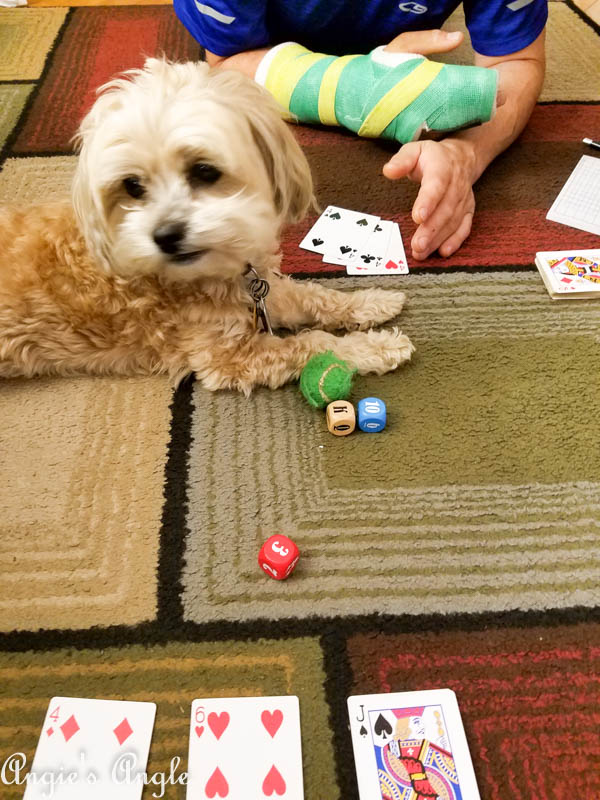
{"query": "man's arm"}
[(426, 42), (447, 169), (521, 79), (243, 62)]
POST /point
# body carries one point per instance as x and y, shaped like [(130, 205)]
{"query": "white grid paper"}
[(578, 204)]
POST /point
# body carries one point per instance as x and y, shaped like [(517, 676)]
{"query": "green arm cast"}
[(378, 99)]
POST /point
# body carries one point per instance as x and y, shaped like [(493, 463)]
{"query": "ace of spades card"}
[(92, 749), (245, 747), (411, 744)]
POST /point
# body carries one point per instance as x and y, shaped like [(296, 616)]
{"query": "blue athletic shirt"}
[(338, 27)]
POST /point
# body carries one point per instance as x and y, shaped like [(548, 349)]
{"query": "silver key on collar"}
[(258, 289)]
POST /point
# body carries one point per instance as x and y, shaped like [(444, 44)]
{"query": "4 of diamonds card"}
[(410, 745), (245, 747), (92, 749)]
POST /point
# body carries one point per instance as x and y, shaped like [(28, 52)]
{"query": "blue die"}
[(371, 415)]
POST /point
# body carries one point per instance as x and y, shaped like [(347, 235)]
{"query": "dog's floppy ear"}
[(86, 194), (89, 210), (285, 162), (92, 138)]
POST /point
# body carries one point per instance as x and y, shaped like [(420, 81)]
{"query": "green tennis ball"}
[(326, 378)]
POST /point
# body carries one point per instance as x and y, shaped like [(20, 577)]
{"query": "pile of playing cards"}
[(570, 274), (245, 747), (363, 243), (406, 746)]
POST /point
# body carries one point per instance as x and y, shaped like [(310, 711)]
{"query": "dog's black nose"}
[(169, 236)]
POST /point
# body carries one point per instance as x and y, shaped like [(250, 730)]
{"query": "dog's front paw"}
[(375, 351), (376, 306)]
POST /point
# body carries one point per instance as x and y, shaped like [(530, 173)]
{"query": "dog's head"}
[(186, 172)]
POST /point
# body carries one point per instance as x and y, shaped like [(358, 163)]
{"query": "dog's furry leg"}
[(296, 304), (272, 361), (49, 347)]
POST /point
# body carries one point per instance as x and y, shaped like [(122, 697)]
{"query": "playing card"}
[(337, 233), (245, 747), (382, 253), (369, 257), (394, 261), (92, 749), (411, 744)]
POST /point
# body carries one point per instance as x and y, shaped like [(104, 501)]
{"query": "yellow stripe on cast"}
[(328, 89), (285, 55), (286, 69), (399, 97)]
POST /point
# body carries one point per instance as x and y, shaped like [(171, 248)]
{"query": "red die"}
[(278, 556)]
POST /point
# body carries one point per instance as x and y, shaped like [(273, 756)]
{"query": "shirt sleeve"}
[(225, 27), (501, 27)]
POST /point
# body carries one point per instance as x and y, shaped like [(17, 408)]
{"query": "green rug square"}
[(480, 495)]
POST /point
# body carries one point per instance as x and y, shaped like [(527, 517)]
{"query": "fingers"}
[(435, 183), (425, 42), (404, 163), (453, 242), (445, 231), (445, 203), (500, 93)]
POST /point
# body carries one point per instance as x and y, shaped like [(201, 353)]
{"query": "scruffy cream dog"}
[(186, 176)]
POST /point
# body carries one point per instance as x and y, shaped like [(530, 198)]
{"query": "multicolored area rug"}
[(459, 548)]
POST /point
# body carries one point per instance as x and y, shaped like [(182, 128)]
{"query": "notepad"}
[(578, 204)]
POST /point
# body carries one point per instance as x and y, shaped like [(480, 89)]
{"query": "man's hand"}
[(445, 204), (448, 169), (425, 42)]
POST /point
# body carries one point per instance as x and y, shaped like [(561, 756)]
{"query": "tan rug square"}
[(81, 493), (26, 36), (39, 179)]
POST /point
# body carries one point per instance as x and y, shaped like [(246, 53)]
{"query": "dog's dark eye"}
[(204, 173), (133, 187)]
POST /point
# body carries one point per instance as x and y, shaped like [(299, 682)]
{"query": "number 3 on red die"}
[(278, 556)]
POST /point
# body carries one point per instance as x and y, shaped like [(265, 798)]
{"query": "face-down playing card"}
[(411, 746), (92, 749), (245, 748)]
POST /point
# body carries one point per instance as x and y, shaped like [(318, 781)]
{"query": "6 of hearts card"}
[(245, 747), (410, 745)]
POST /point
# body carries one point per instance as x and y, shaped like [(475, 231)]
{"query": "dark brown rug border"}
[(163, 631)]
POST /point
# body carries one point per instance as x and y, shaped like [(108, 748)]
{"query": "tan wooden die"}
[(341, 418)]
